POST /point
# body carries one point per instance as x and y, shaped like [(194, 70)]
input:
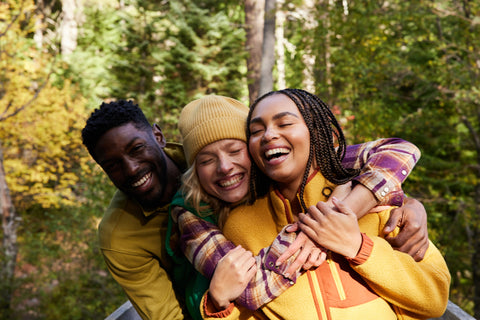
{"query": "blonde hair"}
[(205, 204)]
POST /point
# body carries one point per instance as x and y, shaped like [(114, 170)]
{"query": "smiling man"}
[(146, 171)]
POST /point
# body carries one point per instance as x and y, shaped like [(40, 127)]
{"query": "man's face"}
[(135, 162)]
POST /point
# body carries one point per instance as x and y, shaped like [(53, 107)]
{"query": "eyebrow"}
[(128, 145), (275, 117)]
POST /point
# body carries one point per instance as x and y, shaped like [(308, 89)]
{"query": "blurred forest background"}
[(395, 68)]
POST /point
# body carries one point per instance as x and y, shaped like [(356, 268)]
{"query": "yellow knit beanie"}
[(210, 119)]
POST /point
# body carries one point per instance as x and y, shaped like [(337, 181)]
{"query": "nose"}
[(225, 164), (269, 134), (130, 166)]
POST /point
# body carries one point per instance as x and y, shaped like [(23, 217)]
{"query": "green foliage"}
[(398, 68), (162, 55), (60, 258)]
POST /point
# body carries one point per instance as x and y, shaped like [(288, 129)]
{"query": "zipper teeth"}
[(336, 277)]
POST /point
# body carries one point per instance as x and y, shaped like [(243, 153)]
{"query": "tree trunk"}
[(328, 64), (254, 29), (39, 21), (69, 27), (280, 49), (308, 58), (268, 48), (10, 222)]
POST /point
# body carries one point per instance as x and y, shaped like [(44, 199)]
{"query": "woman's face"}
[(223, 169), (279, 141)]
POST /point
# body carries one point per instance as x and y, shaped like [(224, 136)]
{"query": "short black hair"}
[(111, 115)]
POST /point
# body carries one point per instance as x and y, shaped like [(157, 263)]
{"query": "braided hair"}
[(324, 130), (109, 116)]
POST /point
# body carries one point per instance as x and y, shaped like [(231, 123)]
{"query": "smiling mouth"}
[(142, 180), (230, 182), (276, 153)]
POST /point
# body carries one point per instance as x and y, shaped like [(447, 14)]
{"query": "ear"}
[(157, 132)]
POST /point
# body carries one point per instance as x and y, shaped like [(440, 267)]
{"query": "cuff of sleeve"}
[(386, 193), (211, 311), (364, 252), (279, 246)]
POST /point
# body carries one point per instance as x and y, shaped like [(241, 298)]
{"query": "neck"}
[(289, 190)]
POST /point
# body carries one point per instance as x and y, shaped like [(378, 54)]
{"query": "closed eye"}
[(205, 161), (137, 148), (254, 131)]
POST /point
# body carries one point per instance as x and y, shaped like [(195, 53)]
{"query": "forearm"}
[(360, 200), (204, 245), (202, 242), (384, 165), (269, 281), (146, 284)]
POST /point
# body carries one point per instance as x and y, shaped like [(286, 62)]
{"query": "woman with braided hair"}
[(292, 137)]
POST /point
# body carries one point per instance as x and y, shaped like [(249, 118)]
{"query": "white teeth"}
[(142, 181), (230, 182), (271, 152)]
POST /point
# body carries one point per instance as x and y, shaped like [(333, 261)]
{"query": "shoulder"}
[(114, 218), (124, 227), (175, 152)]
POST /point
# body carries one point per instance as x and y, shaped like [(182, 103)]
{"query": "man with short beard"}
[(146, 170)]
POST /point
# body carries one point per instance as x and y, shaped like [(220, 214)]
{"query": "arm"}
[(384, 164), (416, 289), (231, 277), (146, 284), (204, 246)]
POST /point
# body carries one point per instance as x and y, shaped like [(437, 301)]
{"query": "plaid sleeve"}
[(269, 282), (384, 165), (204, 245), (202, 242)]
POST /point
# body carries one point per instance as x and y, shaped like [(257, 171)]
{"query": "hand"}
[(311, 254), (335, 230), (411, 218), (232, 275)]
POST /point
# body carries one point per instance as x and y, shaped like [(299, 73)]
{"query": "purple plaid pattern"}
[(384, 164)]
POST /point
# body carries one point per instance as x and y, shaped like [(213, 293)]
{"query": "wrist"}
[(354, 249), (364, 253), (218, 304)]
